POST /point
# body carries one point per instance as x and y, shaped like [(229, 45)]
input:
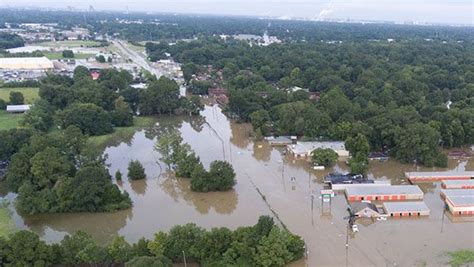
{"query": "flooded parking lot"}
[(163, 200)]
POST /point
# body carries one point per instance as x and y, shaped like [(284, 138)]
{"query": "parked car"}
[(355, 228)]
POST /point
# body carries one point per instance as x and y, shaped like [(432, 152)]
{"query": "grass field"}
[(59, 55), (29, 93), (9, 121), (77, 43), (461, 258), (120, 133), (7, 226)]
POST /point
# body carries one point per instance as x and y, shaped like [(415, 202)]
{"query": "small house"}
[(365, 210)]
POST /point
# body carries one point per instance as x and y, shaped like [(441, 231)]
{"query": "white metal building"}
[(304, 149), (26, 63)]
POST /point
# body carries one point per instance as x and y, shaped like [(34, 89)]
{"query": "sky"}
[(431, 11)]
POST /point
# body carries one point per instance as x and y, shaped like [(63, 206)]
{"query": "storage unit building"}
[(458, 184), (406, 209), (459, 201), (415, 177), (384, 193), (455, 192)]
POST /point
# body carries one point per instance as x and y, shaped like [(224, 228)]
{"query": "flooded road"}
[(162, 201)]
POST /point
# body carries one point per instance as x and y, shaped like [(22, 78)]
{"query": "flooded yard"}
[(162, 200)]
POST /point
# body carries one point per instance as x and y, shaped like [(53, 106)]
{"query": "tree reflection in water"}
[(179, 188)]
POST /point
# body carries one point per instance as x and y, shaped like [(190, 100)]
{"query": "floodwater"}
[(163, 200)]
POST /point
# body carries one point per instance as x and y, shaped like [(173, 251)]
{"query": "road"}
[(136, 57)]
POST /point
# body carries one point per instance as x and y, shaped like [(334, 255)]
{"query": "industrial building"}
[(384, 193), (415, 177), (458, 184), (406, 209), (459, 201), (26, 63), (24, 68), (304, 149)]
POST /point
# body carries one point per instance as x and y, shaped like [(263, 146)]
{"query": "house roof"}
[(409, 206), (384, 190), (358, 206)]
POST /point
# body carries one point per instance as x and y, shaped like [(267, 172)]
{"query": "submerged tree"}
[(136, 170)]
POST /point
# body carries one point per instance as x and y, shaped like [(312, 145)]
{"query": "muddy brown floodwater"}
[(163, 200)]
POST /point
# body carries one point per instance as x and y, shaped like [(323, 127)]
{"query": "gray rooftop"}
[(457, 192), (469, 182), (384, 190), (439, 174), (307, 147), (409, 206), (462, 200)]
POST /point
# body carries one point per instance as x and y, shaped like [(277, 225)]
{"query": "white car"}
[(381, 218), (355, 228)]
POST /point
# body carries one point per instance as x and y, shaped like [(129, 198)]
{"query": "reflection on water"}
[(162, 200)]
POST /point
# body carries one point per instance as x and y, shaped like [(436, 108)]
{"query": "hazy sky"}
[(442, 11)]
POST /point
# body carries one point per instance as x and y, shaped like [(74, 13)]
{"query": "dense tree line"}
[(263, 244), (55, 172), (172, 27), (389, 92), (8, 40), (186, 164)]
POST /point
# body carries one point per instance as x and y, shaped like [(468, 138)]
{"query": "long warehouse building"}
[(406, 209), (459, 201), (458, 184), (26, 63), (415, 177), (384, 193)]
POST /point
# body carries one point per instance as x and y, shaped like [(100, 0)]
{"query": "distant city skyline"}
[(426, 11)]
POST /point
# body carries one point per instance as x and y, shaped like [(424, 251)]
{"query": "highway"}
[(136, 57)]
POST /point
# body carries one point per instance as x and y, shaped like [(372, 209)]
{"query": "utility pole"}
[(184, 258)]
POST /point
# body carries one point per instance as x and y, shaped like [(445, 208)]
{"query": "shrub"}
[(136, 170)]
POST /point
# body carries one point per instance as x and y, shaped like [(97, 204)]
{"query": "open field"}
[(9, 121), (29, 93), (59, 55), (78, 43), (7, 226)]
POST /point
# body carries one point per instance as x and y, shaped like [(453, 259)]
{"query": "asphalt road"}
[(136, 57)]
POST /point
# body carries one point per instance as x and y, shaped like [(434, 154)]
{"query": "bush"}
[(136, 170), (118, 175), (3, 104), (16, 98), (68, 54)]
